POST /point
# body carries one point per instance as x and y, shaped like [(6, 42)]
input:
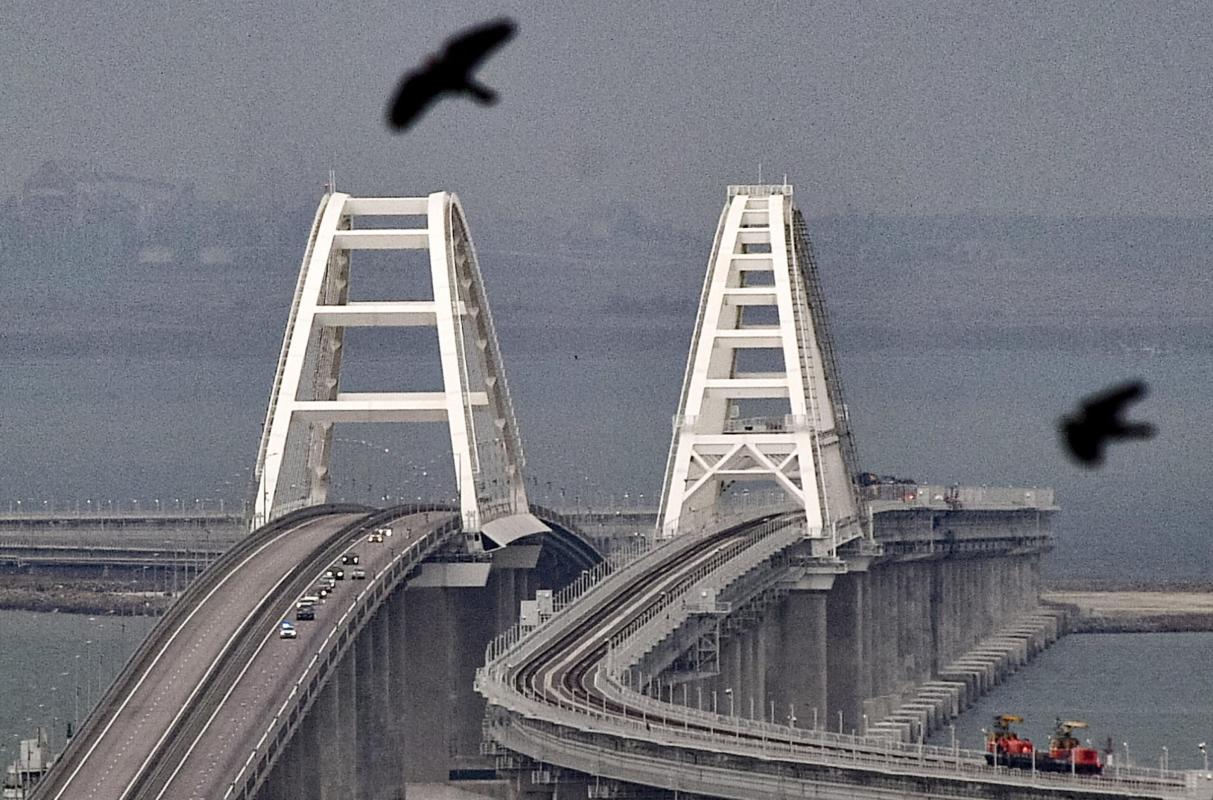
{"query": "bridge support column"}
[(845, 660), (803, 678), (758, 662), (369, 699), (428, 678), (347, 739), (475, 622), (396, 767), (327, 714)]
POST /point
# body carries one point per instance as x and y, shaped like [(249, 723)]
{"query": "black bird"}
[(449, 72), (1099, 421)]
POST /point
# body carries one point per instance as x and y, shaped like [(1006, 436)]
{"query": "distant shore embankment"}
[(52, 593), (1137, 610)]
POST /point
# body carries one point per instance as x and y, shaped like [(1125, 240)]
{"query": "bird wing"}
[(416, 91), (465, 50), (1111, 402)]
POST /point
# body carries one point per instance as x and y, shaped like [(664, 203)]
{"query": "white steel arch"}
[(761, 294), (306, 399)]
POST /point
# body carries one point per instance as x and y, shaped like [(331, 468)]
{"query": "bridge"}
[(782, 630)]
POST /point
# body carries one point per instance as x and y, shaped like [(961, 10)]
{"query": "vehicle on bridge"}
[(287, 631), (349, 558), (1004, 747)]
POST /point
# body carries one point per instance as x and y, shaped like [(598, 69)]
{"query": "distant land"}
[(96, 259)]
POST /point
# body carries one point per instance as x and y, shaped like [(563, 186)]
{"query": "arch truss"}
[(307, 400), (761, 400)]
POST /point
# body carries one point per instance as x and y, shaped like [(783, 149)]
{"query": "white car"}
[(287, 631)]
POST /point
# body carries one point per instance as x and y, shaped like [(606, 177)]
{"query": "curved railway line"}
[(555, 697)]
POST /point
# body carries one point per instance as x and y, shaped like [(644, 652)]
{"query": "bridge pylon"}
[(761, 399), (293, 461)]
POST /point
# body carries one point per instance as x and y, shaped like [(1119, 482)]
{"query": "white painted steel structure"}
[(760, 398), (306, 399)]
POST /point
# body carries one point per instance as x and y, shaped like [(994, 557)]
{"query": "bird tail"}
[(482, 94)]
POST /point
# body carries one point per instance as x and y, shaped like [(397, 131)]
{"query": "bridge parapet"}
[(583, 716), (893, 496)]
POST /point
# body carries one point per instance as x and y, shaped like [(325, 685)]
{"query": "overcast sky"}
[(1040, 108)]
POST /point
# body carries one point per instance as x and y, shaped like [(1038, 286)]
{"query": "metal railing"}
[(975, 497), (760, 189), (723, 568), (511, 643), (754, 740), (45, 510), (315, 673), (642, 718), (629, 714)]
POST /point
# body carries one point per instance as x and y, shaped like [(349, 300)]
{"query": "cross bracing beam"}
[(735, 422), (306, 400)]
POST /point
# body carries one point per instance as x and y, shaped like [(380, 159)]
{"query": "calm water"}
[(1150, 690), (53, 667)]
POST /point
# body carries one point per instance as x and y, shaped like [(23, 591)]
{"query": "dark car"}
[(309, 612), (349, 558)]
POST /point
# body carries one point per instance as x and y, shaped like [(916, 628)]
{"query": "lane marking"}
[(209, 670), (295, 687), (101, 736)]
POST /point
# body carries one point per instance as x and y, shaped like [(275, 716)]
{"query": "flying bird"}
[(1099, 421), (449, 72)]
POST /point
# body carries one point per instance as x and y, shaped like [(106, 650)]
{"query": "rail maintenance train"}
[(1005, 748)]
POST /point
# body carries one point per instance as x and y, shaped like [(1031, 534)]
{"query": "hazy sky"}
[(1051, 108)]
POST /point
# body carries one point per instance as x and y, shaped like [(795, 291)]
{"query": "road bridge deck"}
[(141, 711)]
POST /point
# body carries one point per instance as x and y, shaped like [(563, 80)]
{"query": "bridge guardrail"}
[(639, 716), (746, 738), (307, 686), (143, 654), (519, 636), (923, 495), (541, 728), (722, 569)]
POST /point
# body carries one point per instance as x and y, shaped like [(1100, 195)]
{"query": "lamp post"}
[(1205, 755)]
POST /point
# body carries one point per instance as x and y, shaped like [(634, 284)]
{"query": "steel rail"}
[(561, 678)]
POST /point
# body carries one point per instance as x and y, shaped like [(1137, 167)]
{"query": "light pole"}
[(1127, 763), (1165, 759), (1204, 754), (737, 721)]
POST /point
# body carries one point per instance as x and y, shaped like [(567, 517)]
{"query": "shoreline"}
[(1139, 610), (95, 597)]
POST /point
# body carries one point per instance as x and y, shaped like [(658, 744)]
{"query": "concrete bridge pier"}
[(846, 665), (373, 687), (349, 732), (327, 715), (429, 667), (799, 675)]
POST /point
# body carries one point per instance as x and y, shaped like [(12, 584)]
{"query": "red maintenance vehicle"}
[(1005, 748)]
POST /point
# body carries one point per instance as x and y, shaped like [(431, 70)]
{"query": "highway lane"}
[(241, 717), (120, 751)]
